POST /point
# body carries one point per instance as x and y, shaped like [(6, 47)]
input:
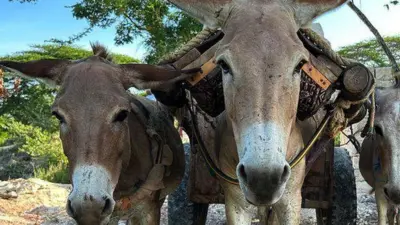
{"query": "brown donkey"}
[(260, 55), (123, 150), (380, 155)]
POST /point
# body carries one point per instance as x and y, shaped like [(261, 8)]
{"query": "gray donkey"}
[(380, 155)]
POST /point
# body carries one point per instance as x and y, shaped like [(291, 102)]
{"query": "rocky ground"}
[(33, 201)]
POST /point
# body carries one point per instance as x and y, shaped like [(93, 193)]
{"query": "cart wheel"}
[(181, 211), (344, 196)]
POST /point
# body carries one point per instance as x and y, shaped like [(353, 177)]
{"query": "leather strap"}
[(205, 70), (316, 75)]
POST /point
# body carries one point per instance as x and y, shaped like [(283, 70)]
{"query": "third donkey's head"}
[(386, 140), (260, 55)]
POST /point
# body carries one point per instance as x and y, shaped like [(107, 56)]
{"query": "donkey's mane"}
[(101, 51)]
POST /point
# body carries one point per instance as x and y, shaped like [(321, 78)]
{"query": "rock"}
[(38, 202), (14, 164)]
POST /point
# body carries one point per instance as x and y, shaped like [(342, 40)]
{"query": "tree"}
[(378, 36), (162, 26), (371, 53)]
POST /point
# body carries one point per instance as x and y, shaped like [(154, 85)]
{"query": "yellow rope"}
[(311, 143), (194, 42), (326, 48)]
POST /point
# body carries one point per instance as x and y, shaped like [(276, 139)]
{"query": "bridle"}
[(153, 184)]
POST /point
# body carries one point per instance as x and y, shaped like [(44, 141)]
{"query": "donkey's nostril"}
[(285, 174), (107, 207), (70, 210), (242, 172)]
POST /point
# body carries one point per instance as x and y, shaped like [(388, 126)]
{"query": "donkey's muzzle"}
[(90, 209), (252, 176), (263, 186)]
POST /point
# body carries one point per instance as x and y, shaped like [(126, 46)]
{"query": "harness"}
[(325, 73), (162, 158)]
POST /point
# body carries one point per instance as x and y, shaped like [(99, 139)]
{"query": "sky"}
[(22, 25)]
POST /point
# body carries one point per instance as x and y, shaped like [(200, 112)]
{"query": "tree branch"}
[(377, 35), (9, 147), (133, 22)]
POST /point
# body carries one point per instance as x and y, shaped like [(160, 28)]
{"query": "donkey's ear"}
[(307, 10), (49, 70), (211, 13), (144, 76)]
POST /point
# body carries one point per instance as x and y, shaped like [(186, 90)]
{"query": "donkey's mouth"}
[(263, 197), (92, 220), (261, 200)]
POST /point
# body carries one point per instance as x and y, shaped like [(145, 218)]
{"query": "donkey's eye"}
[(378, 130), (121, 116), (58, 116), (226, 69)]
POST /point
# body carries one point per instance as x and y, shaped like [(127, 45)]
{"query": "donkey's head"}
[(260, 55), (386, 140), (96, 126)]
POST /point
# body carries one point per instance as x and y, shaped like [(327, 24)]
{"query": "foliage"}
[(161, 25), (31, 105), (392, 2), (55, 173), (44, 148), (33, 140), (370, 52), (337, 141), (56, 51)]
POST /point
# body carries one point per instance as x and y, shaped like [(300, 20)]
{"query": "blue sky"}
[(24, 24)]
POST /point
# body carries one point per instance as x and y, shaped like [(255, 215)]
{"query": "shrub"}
[(54, 173), (49, 161)]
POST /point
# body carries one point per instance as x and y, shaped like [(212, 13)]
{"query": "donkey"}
[(124, 152), (380, 157), (260, 55)]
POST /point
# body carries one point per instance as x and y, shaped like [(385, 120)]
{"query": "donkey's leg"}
[(238, 210), (133, 221), (382, 205), (263, 215), (288, 208), (391, 214), (149, 214)]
